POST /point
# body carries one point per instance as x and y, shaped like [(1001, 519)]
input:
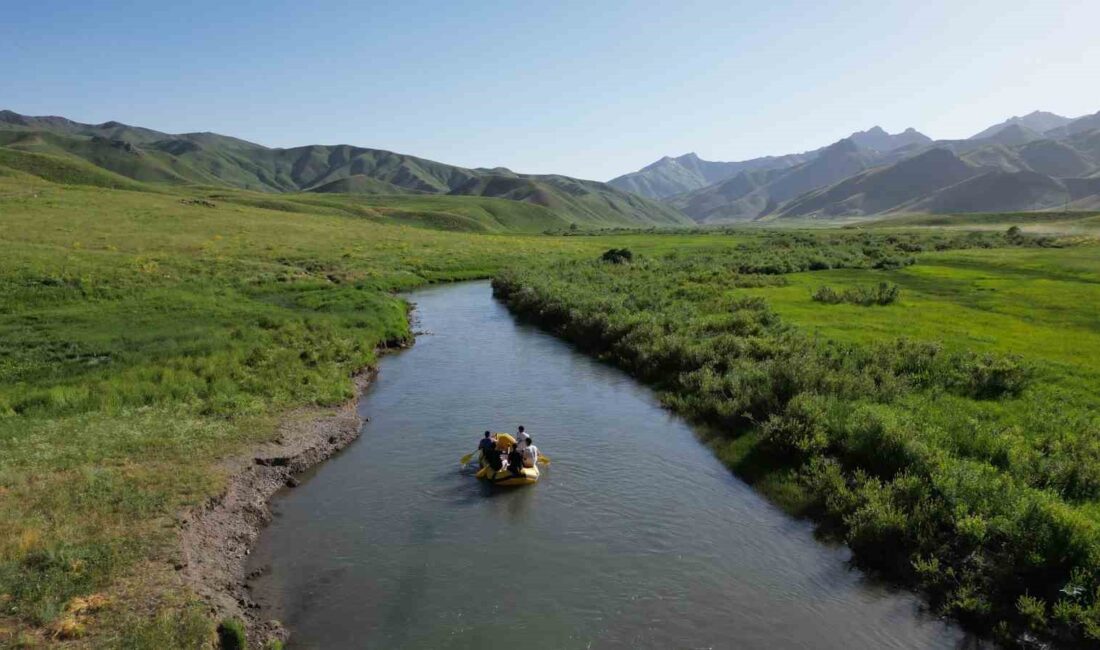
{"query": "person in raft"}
[(515, 460), (521, 436), (530, 453), (487, 444)]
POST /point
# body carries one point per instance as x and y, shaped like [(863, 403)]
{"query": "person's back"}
[(515, 460), (530, 453), (492, 458), (521, 435), (486, 446)]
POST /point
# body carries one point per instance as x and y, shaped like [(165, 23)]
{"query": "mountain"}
[(1074, 127), (1013, 166), (877, 139), (211, 159), (996, 191), (670, 176), (1035, 175), (746, 197), (1055, 158), (884, 188), (1037, 121), (1011, 135)]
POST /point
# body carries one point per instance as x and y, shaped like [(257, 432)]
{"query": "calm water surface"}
[(635, 537)]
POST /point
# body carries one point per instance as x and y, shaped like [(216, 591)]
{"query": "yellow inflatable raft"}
[(505, 477)]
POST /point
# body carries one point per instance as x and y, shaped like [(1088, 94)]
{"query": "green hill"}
[(215, 160), (63, 171)]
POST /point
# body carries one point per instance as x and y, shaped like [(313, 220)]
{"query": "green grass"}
[(1031, 302), (146, 335), (143, 337), (67, 171), (1087, 222), (949, 437)]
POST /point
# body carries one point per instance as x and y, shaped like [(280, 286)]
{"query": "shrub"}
[(800, 429), (992, 376), (617, 255), (885, 293), (231, 635)]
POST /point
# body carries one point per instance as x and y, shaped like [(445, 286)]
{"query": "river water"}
[(636, 536)]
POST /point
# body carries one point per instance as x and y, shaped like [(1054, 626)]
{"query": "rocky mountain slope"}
[(1033, 162)]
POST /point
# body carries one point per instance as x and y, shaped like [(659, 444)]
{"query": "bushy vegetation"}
[(231, 635), (970, 473), (617, 255), (884, 293)]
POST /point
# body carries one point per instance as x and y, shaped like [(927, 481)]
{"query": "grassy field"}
[(145, 335), (1064, 223), (949, 436)]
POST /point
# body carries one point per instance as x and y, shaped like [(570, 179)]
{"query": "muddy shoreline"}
[(218, 535)]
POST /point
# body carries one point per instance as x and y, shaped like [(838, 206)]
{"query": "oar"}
[(544, 459)]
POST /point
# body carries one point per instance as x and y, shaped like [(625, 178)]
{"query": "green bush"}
[(885, 293), (617, 256), (231, 635)]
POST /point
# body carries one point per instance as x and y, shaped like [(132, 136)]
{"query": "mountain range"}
[(1034, 162), (1039, 161), (210, 159)]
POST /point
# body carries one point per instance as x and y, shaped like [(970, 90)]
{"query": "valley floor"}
[(146, 336)]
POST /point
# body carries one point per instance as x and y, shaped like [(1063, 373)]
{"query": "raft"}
[(505, 477)]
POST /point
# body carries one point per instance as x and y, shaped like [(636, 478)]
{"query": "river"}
[(636, 536)]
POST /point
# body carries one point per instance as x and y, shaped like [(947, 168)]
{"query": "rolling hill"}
[(211, 159)]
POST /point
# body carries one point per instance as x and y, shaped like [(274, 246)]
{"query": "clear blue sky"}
[(590, 89)]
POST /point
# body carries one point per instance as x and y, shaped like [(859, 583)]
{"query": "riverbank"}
[(217, 536), (961, 461)]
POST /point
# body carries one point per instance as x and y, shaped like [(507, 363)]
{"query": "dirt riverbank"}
[(218, 535)]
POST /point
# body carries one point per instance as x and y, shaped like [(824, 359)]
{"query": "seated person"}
[(530, 453), (515, 460), (493, 460)]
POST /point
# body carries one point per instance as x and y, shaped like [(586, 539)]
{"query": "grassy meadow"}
[(948, 434), (146, 335)]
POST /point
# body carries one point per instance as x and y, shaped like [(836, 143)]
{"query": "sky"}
[(591, 89)]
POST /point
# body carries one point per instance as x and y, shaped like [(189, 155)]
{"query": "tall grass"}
[(969, 474)]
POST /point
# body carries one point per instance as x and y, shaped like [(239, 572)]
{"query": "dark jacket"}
[(515, 461)]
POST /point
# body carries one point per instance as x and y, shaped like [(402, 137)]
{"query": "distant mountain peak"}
[(1037, 121), (877, 138)]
